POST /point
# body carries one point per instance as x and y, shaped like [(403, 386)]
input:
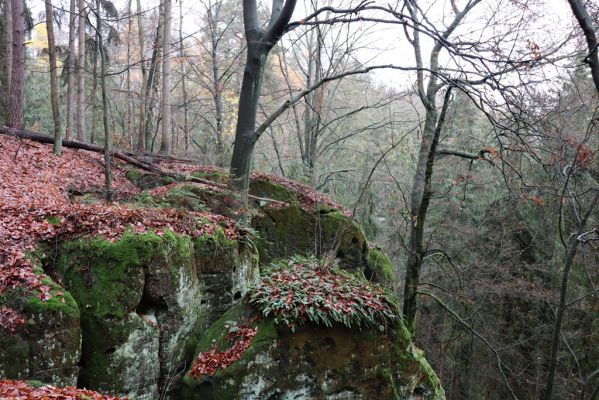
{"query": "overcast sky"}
[(385, 44)]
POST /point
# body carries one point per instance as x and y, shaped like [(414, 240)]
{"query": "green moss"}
[(35, 383), (133, 175), (186, 197), (107, 278), (147, 180), (61, 301), (271, 190), (344, 234), (265, 335), (52, 220), (380, 268), (215, 176), (145, 199)]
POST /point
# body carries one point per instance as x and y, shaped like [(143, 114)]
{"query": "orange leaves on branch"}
[(537, 200), (535, 50)]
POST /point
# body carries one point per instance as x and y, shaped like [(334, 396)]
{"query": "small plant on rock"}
[(305, 291)]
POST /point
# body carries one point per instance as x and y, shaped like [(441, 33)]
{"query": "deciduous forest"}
[(314, 199)]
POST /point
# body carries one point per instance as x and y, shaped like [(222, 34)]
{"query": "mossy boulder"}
[(143, 299), (316, 362), (147, 180), (379, 269), (292, 230), (48, 346)]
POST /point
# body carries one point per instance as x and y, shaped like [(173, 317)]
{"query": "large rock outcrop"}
[(316, 362), (144, 298), (128, 316)]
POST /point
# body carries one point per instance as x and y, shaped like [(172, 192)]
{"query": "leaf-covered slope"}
[(35, 206)]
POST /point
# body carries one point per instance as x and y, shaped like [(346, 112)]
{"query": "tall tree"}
[(259, 44), (8, 44), (183, 72), (166, 80), (71, 71), (151, 89), (141, 142), (107, 135), (16, 117), (585, 22), (53, 79), (81, 71), (422, 183)]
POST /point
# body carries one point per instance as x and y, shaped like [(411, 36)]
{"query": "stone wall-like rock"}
[(47, 347), (143, 301), (316, 363)]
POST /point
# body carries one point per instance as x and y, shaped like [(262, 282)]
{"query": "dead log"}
[(129, 158)]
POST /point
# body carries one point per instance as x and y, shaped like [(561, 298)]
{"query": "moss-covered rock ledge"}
[(316, 362), (307, 331), (144, 298), (46, 346)]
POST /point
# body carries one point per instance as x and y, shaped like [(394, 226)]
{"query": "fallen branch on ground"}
[(130, 158)]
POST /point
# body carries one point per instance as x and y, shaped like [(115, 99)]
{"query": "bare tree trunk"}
[(94, 90), (259, 44), (183, 80), (313, 110), (166, 81), (151, 85), (217, 87), (585, 21), (141, 143), (421, 187), (107, 137), (71, 72), (128, 78), (53, 84), (81, 73), (16, 118), (9, 46)]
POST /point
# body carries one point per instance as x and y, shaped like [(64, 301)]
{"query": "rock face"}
[(316, 363), (129, 317), (296, 229), (48, 346), (143, 298)]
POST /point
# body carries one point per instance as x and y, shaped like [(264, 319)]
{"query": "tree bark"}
[(81, 73), (148, 102), (9, 46), (71, 72), (128, 129), (166, 80), (141, 143), (94, 90), (183, 81), (16, 117), (259, 44), (107, 136), (53, 80)]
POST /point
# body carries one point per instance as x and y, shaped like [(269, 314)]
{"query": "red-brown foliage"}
[(35, 206), (19, 390), (209, 362)]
